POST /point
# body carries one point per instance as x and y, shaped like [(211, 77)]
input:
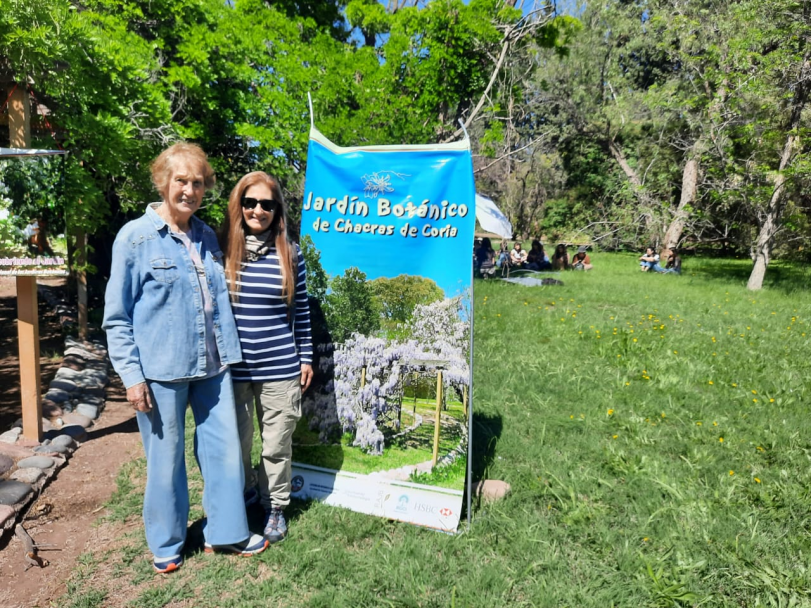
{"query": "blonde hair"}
[(167, 161), (233, 233)]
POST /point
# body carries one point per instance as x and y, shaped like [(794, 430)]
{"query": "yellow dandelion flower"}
[(627, 384), (663, 415), (634, 339), (710, 382), (754, 392), (675, 352), (771, 400), (572, 416), (714, 423), (759, 448), (754, 400), (721, 440), (731, 472), (644, 540), (733, 384), (614, 437), (698, 423), (757, 480), (610, 412)]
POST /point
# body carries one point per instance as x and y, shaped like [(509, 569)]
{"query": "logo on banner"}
[(379, 182), (402, 504), (445, 512), (296, 483)]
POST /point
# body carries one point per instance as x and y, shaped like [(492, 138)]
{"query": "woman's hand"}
[(306, 376), (139, 397)]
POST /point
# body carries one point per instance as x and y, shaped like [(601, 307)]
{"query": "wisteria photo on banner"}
[(387, 237)]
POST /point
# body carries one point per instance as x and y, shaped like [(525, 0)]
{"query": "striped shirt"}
[(270, 350)]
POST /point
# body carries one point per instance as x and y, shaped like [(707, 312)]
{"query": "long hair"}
[(233, 235)]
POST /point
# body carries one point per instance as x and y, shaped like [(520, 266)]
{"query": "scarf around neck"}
[(258, 245)]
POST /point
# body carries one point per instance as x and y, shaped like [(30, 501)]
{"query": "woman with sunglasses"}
[(266, 278)]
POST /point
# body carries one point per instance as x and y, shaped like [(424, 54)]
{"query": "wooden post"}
[(28, 335), (19, 117), (363, 376), (19, 130), (464, 401), (438, 414)]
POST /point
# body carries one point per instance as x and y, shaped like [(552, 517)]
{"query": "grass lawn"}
[(655, 433)]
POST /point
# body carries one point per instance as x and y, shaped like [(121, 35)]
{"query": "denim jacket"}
[(153, 310)]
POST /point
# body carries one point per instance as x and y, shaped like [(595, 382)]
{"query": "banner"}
[(387, 234)]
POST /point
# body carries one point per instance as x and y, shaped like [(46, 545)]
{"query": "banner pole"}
[(312, 114), (467, 137), (470, 408)]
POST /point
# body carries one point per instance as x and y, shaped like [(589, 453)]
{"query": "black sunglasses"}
[(268, 204)]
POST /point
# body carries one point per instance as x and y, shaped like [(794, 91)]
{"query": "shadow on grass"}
[(788, 277), (486, 433)]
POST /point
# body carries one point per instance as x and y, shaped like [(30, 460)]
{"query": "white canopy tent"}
[(491, 218)]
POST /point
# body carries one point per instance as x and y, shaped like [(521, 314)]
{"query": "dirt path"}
[(65, 512)]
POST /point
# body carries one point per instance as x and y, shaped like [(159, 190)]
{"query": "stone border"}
[(74, 400)]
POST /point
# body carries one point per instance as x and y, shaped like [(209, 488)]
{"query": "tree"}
[(399, 296), (351, 306), (776, 42)]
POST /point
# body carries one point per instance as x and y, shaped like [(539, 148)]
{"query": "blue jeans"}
[(216, 447)]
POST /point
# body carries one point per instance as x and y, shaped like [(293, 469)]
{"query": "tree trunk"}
[(639, 188), (771, 223), (689, 185)]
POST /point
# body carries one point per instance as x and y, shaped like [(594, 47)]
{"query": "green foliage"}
[(399, 296), (351, 307), (317, 278)]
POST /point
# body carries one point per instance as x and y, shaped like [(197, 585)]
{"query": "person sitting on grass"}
[(648, 260), (581, 260), (537, 258), (503, 253), (560, 259), (517, 257), (673, 263), (486, 259)]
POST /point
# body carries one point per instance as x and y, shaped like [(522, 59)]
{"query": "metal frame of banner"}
[(469, 475), (312, 114)]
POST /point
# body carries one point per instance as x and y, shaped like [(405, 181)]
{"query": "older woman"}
[(171, 337), (266, 275)]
